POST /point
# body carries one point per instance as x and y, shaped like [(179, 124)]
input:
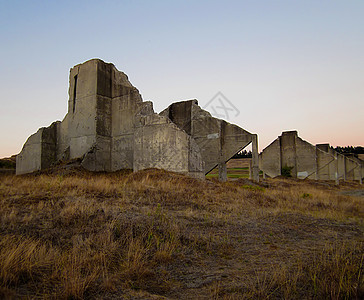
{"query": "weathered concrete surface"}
[(217, 139), (39, 151), (161, 144), (109, 127), (98, 127), (270, 159), (308, 161), (30, 158)]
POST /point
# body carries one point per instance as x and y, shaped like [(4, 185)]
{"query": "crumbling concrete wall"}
[(108, 127), (102, 116), (39, 151), (307, 161), (217, 139), (98, 128), (99, 125), (30, 158)]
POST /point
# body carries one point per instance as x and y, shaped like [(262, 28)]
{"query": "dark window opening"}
[(74, 92)]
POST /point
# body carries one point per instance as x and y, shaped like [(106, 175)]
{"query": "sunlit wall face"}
[(282, 64)]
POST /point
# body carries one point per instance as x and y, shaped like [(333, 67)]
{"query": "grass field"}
[(232, 173), (236, 168), (160, 235)]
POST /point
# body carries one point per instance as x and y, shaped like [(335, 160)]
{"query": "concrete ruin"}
[(303, 160), (109, 127)]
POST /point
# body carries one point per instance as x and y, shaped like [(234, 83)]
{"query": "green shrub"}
[(286, 171)]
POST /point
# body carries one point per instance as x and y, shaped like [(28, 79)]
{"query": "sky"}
[(274, 65)]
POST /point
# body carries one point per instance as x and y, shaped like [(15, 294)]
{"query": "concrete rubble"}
[(109, 127)]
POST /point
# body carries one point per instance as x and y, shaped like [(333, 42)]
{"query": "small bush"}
[(286, 171)]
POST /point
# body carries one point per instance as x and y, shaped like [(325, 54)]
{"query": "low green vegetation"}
[(215, 175), (253, 187), (7, 164), (286, 171)]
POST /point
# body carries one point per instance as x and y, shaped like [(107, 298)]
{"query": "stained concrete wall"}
[(308, 161), (159, 143)]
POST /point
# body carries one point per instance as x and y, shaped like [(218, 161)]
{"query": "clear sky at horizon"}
[(284, 64)]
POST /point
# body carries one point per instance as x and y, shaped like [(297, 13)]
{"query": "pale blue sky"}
[(283, 64)]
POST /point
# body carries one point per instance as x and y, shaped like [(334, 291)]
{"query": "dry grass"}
[(154, 235)]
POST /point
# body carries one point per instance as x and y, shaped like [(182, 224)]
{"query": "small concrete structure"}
[(109, 127), (304, 160)]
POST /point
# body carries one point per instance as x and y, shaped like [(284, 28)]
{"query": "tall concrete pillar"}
[(337, 169), (317, 166), (255, 158), (222, 171), (288, 151)]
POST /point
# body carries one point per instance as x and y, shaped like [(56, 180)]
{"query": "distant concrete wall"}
[(270, 159), (288, 151), (326, 167), (353, 167), (307, 161)]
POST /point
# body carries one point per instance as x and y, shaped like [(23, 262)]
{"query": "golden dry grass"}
[(157, 235)]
